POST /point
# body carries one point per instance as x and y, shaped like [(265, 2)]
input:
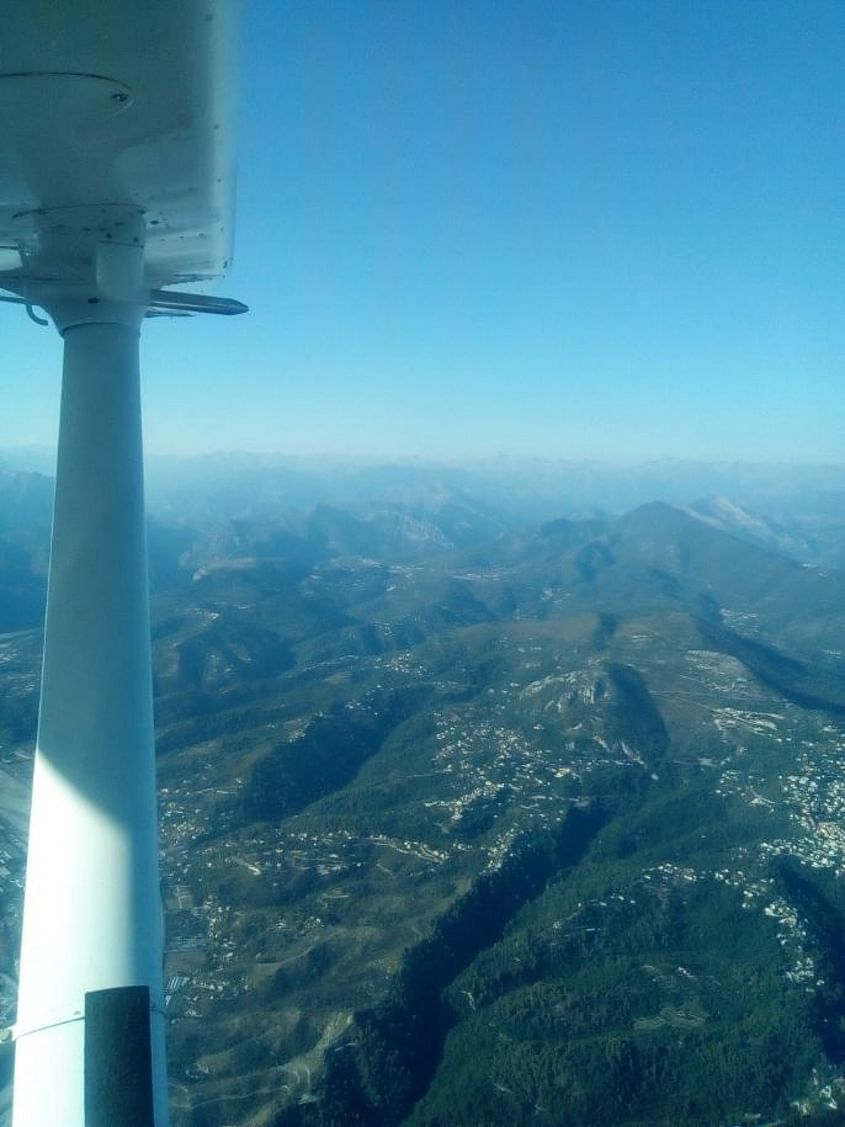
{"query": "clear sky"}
[(470, 227)]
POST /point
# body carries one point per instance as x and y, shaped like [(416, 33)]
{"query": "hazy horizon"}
[(14, 453)]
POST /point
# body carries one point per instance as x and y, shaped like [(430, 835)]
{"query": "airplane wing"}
[(108, 104)]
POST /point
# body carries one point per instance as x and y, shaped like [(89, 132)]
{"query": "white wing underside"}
[(109, 108)]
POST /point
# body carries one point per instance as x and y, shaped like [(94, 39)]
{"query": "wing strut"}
[(92, 911)]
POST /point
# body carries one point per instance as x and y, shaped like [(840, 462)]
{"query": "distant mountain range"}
[(234, 484), (206, 508)]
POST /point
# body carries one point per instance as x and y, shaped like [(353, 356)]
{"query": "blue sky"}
[(471, 227)]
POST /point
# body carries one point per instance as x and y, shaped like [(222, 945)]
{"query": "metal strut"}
[(92, 911)]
